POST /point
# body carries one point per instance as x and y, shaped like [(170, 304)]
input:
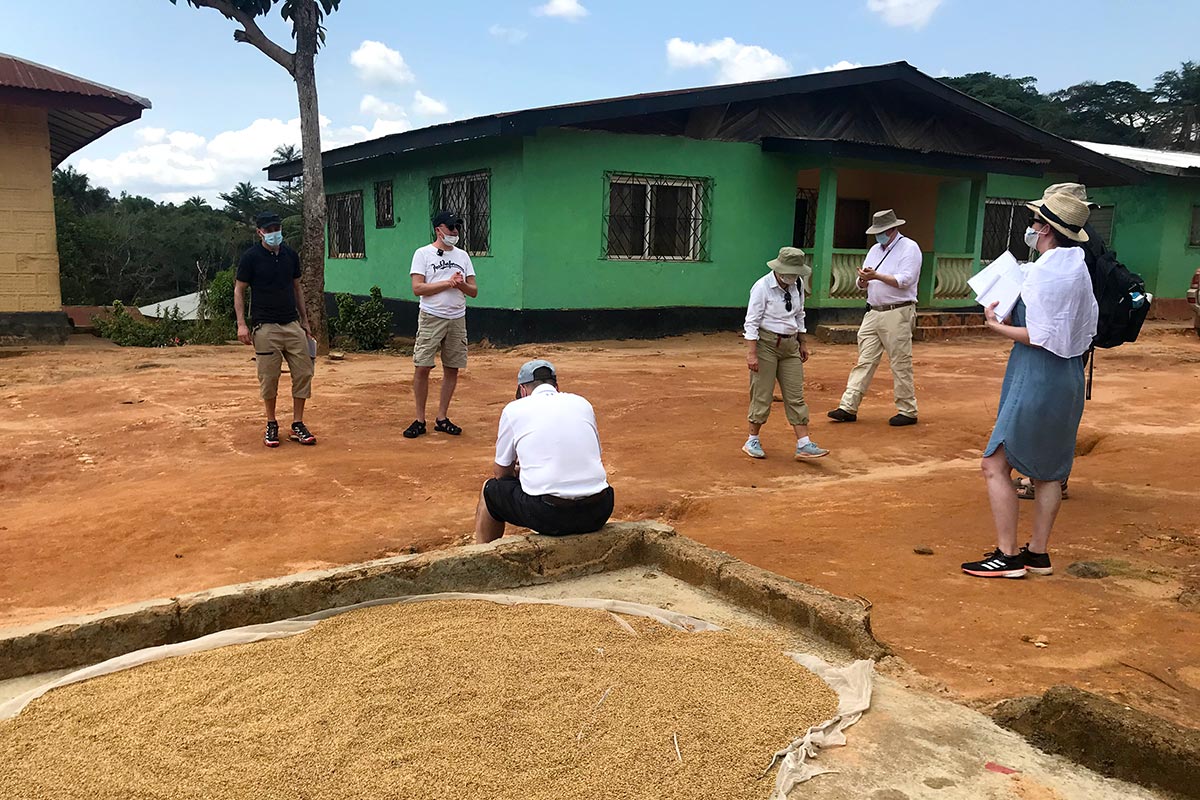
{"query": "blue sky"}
[(221, 107)]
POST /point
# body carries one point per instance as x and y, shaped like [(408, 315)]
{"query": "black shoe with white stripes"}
[(996, 565)]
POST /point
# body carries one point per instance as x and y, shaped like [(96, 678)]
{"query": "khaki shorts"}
[(447, 335), (272, 344)]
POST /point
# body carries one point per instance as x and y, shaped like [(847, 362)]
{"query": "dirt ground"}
[(132, 474)]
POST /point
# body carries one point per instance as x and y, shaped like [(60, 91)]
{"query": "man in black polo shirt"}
[(280, 323)]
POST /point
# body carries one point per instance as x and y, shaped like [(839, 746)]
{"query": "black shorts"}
[(507, 502)]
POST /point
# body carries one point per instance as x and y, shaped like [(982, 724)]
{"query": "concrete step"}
[(931, 326)]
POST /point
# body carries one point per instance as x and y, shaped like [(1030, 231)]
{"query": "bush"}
[(220, 295), (171, 331), (123, 329), (368, 326)]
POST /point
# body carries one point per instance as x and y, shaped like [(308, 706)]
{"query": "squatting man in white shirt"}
[(890, 274), (548, 472)]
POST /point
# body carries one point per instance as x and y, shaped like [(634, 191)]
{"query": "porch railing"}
[(951, 273), (843, 272)]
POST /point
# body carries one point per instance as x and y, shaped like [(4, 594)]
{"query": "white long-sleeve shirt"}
[(901, 260), (1060, 308), (767, 308)]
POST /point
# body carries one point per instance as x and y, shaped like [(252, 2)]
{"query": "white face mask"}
[(450, 240), (882, 238), (786, 280), (1031, 237), (273, 239)]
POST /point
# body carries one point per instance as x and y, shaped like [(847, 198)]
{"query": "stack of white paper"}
[(999, 282)]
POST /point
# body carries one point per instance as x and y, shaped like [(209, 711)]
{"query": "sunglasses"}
[(787, 299)]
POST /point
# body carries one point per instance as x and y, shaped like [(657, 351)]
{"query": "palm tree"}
[(195, 203), (285, 153), (243, 202)]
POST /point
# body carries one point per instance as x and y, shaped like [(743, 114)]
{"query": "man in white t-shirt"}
[(549, 475), (443, 277), (890, 274)]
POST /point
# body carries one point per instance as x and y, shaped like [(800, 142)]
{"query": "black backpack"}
[(1122, 298)]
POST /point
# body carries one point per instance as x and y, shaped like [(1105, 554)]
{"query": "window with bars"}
[(1101, 220), (384, 217), (804, 226), (346, 235), (1194, 236), (1004, 223), (656, 217), (469, 196)]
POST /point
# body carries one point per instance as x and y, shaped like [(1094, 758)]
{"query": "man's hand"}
[(244, 335), (867, 274), (457, 280), (752, 361), (803, 351)]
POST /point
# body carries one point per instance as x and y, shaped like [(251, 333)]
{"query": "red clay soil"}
[(133, 474)]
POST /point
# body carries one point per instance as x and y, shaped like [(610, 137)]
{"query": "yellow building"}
[(45, 116)]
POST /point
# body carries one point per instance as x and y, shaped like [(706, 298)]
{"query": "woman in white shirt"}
[(1041, 402), (776, 351)]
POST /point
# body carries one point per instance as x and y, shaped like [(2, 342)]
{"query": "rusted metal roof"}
[(79, 111)]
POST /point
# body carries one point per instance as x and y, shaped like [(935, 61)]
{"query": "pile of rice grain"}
[(425, 701)]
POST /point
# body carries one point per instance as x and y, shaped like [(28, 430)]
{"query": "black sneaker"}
[(1037, 563), (271, 438), (300, 434), (996, 565), (416, 429), (842, 415), (900, 420)]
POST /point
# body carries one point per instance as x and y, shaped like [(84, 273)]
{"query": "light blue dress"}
[(1041, 404)]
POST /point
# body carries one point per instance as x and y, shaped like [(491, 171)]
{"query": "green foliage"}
[(124, 329), (1165, 116), (367, 326)]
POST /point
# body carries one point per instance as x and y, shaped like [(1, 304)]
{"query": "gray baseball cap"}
[(525, 374)]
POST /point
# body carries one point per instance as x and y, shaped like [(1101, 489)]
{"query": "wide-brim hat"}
[(1063, 212), (884, 221), (1076, 190), (790, 261)]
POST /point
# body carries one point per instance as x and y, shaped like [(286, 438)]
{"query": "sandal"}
[(416, 429), (446, 426), (1026, 491)]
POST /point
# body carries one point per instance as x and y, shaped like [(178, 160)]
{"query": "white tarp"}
[(852, 683)]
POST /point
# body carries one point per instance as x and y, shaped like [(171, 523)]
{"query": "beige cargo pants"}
[(882, 332)]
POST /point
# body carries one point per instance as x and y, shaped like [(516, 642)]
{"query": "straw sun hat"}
[(1063, 212)]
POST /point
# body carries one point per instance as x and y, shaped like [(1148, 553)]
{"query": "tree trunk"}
[(312, 246)]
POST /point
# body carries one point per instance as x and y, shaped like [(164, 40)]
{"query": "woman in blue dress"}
[(1041, 401)]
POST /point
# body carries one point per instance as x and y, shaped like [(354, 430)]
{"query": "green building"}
[(654, 213)]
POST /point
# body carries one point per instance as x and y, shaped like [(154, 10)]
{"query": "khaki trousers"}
[(272, 344), (778, 362), (882, 332)]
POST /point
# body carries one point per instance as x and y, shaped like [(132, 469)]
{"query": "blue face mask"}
[(882, 238), (273, 239)]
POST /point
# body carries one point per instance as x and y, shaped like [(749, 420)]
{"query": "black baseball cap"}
[(448, 218), (267, 218)]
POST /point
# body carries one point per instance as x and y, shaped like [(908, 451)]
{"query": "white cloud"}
[(510, 35), (905, 13), (838, 66), (735, 62), (426, 106), (170, 167), (374, 107), (381, 65), (566, 9), (151, 135)]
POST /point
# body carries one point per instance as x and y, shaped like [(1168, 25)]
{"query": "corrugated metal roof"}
[(1172, 162), (17, 73), (79, 111)]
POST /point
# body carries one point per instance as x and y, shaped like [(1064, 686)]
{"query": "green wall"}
[(752, 210), (1151, 224), (389, 250)]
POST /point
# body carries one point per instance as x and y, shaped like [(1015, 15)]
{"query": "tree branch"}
[(251, 33)]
